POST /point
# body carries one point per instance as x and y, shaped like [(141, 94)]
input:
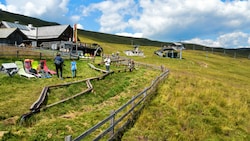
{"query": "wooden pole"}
[(68, 138), (112, 121)]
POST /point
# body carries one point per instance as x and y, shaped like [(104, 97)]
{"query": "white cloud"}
[(205, 42), (174, 20), (230, 40), (114, 12), (79, 26), (2, 6), (52, 10), (75, 18), (136, 35)]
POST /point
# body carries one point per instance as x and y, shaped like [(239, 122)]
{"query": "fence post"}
[(17, 53), (40, 56), (133, 104), (112, 123), (162, 68), (68, 138), (145, 94)]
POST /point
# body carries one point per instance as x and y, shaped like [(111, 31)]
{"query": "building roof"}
[(15, 25), (6, 32), (45, 32), (177, 44)]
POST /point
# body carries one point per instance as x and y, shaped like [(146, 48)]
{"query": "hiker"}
[(73, 68), (107, 62), (59, 64), (131, 65)]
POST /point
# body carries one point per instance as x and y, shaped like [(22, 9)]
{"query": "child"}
[(107, 63), (73, 68)]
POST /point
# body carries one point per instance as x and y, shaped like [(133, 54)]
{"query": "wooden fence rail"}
[(136, 101), (25, 53)]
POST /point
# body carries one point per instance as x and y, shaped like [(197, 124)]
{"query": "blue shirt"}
[(73, 65)]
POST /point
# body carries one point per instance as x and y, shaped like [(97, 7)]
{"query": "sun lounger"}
[(21, 70), (40, 69), (45, 67), (34, 64), (28, 68)]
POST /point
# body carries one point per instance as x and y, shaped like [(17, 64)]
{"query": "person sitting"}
[(40, 69)]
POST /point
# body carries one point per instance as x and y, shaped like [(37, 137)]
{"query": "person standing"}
[(58, 60), (73, 68), (107, 62)]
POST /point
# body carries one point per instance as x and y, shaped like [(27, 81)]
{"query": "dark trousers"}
[(59, 68)]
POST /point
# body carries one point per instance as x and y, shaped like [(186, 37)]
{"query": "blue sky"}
[(215, 23)]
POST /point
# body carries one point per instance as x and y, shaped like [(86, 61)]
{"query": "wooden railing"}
[(137, 101), (20, 53)]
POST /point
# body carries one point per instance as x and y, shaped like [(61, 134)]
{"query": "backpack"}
[(57, 62)]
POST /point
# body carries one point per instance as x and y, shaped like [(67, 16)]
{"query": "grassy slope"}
[(72, 117), (204, 98)]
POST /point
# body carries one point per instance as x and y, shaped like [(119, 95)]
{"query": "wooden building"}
[(36, 35), (174, 50), (11, 36)]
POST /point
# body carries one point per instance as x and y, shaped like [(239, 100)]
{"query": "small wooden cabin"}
[(174, 50)]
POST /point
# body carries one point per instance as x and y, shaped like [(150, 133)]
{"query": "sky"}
[(214, 23)]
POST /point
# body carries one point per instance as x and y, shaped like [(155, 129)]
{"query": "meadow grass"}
[(71, 117), (206, 97)]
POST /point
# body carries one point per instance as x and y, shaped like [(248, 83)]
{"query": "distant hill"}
[(25, 20), (110, 38)]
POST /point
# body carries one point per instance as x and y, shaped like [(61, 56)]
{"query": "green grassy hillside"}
[(206, 97), (69, 118)]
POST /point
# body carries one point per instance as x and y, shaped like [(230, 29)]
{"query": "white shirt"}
[(107, 61)]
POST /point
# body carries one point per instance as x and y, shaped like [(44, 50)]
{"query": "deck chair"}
[(45, 67), (9, 68), (34, 64), (40, 69), (21, 70), (29, 69)]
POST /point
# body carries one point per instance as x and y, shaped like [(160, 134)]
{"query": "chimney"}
[(30, 25)]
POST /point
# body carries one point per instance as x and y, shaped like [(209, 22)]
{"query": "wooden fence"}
[(231, 52), (116, 118), (22, 53)]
